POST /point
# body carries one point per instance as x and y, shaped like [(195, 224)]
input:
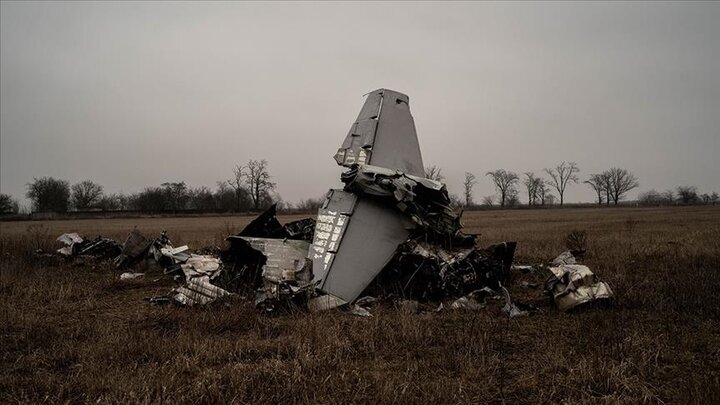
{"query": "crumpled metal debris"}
[(423, 200), (133, 250), (573, 285), (76, 245), (427, 271), (198, 291), (475, 300)]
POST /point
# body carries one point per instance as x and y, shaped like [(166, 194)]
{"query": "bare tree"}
[(434, 173), (541, 191), (505, 182), (455, 201), (310, 204), (687, 194), (532, 184), (201, 198), (176, 195), (668, 197), (225, 197), (86, 194), (8, 205), (621, 181), (109, 202), (49, 194), (561, 175), (257, 178), (468, 185), (597, 183), (237, 183), (513, 198), (488, 200)]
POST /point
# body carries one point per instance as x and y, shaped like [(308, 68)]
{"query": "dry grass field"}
[(72, 333)]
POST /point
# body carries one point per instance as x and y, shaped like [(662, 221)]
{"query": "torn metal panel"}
[(285, 259), (324, 302), (266, 225), (367, 242), (176, 254), (424, 201), (200, 265), (332, 221), (76, 245), (383, 135), (572, 285), (303, 229), (198, 290), (566, 257), (134, 249)]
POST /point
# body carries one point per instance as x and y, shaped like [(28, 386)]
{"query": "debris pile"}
[(573, 285), (76, 245), (390, 232)]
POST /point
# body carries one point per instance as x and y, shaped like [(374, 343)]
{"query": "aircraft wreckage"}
[(388, 231)]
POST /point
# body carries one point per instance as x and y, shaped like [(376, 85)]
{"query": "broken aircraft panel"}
[(383, 135), (354, 239), (356, 235)]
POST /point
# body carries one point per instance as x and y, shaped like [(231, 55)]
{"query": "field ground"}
[(73, 333)]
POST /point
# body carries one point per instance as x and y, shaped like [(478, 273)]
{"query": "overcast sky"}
[(135, 94)]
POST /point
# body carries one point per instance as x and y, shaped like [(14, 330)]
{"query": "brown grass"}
[(76, 334)]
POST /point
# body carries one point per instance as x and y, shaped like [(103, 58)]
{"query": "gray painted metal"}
[(356, 236), (368, 244), (383, 135), (361, 239)]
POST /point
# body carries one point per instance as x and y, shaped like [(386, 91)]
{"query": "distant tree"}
[(505, 182), (239, 185), (714, 198), (201, 198), (8, 205), (705, 197), (621, 181), (488, 200), (310, 204), (468, 185), (668, 197), (455, 201), (434, 173), (561, 175), (86, 194), (650, 197), (176, 195), (49, 195), (597, 183), (541, 191), (513, 198), (687, 194), (532, 185), (151, 199), (109, 202), (123, 201), (257, 179), (225, 197), (549, 199)]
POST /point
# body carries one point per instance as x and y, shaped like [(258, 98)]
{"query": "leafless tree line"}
[(250, 188)]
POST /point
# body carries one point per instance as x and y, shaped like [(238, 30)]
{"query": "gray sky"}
[(135, 94)]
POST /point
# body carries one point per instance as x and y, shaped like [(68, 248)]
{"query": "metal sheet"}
[(332, 222), (396, 145), (383, 135), (284, 257), (367, 242)]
